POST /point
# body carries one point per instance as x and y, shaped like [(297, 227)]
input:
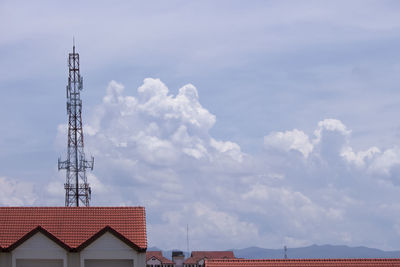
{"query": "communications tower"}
[(77, 189)]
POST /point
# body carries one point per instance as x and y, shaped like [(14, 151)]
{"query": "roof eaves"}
[(31, 233), (113, 232)]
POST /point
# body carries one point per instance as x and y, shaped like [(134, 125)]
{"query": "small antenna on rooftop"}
[(187, 237), (285, 249)]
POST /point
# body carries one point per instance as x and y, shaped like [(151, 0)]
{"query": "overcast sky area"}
[(256, 123)]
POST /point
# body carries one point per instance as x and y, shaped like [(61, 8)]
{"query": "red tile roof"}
[(73, 227), (158, 255), (305, 263), (196, 256)]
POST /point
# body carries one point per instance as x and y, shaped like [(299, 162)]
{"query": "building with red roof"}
[(72, 236), (304, 263), (156, 259), (197, 258)]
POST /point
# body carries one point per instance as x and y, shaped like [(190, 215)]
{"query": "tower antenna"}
[(285, 249), (77, 189)]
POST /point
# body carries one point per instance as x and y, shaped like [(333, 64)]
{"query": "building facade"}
[(72, 237), (178, 258), (197, 258), (156, 259)]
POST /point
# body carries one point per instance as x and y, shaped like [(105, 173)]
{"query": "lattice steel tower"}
[(77, 189)]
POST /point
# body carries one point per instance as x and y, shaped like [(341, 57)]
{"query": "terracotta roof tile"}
[(158, 255), (196, 256), (304, 263), (73, 225)]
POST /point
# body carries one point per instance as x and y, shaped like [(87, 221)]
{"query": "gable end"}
[(114, 233), (34, 231)]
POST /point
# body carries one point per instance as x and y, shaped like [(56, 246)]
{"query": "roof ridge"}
[(73, 226)]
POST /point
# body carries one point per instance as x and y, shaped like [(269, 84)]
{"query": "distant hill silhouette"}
[(315, 251), (310, 252)]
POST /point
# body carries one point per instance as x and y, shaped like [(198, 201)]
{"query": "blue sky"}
[(264, 123)]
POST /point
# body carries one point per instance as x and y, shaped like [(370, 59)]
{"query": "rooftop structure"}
[(77, 189), (73, 236), (72, 228), (178, 258), (156, 259), (197, 257)]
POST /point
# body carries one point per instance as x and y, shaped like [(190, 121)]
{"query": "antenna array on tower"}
[(77, 189)]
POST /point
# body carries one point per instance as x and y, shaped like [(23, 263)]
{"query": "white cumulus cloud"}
[(16, 193), (290, 140)]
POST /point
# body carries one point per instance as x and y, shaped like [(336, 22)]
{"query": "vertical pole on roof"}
[(187, 238)]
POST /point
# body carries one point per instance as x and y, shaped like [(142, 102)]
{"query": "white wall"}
[(39, 246), (110, 247), (5, 259)]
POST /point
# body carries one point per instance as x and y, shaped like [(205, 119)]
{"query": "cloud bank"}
[(155, 149)]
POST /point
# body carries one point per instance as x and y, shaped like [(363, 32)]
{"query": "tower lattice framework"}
[(77, 189)]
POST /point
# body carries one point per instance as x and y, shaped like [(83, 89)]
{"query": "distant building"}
[(197, 258), (178, 258), (304, 263), (73, 237), (156, 259)]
